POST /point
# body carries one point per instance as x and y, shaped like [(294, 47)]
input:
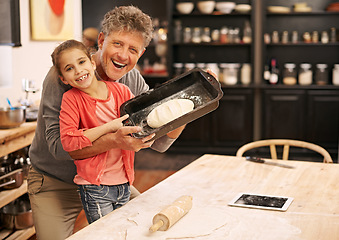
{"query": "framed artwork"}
[(52, 20)]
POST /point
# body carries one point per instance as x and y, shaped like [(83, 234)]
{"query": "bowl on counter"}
[(225, 7), (185, 7), (12, 117), (206, 7)]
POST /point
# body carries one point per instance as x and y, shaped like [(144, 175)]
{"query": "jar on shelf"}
[(215, 35), (230, 73), (178, 68), (324, 37), (295, 37), (315, 37), (213, 67), (284, 37), (196, 35), (201, 66), (267, 38), (177, 31), (224, 35), (289, 74), (307, 37), (187, 36), (245, 74), (305, 76), (189, 66), (236, 35), (275, 37), (321, 74), (335, 74), (206, 35)]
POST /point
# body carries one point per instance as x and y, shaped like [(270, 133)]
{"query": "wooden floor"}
[(150, 168)]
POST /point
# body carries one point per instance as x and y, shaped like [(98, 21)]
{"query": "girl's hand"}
[(115, 124)]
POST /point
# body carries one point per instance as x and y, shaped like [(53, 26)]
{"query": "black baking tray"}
[(197, 85)]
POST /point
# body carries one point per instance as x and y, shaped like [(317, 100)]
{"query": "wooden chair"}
[(272, 143)]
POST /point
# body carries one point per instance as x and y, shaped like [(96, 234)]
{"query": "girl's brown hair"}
[(69, 44)]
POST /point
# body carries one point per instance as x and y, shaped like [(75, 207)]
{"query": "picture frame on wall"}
[(10, 23), (51, 20)]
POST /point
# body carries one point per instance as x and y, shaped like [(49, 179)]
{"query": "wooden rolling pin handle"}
[(156, 226)]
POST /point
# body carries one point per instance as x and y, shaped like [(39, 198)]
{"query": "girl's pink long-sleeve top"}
[(78, 113)]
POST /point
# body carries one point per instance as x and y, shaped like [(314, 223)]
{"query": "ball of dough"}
[(169, 111)]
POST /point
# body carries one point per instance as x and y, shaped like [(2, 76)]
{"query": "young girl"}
[(89, 110)]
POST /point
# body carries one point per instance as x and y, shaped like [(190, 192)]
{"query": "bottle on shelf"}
[(284, 37), (295, 37), (333, 35), (247, 33), (335, 74), (245, 74), (267, 73), (177, 31), (324, 37), (274, 76)]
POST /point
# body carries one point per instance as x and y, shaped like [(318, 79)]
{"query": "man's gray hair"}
[(130, 19)]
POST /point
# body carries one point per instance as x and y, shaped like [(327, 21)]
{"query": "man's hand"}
[(124, 140)]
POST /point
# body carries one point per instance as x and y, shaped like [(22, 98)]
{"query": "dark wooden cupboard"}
[(224, 130), (257, 111)]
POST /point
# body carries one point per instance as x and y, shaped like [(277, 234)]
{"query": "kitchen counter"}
[(14, 139), (213, 181)]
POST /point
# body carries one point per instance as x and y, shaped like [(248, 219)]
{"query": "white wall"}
[(32, 60)]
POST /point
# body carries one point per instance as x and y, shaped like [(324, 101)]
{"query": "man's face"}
[(120, 52)]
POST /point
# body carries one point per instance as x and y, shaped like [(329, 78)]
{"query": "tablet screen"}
[(261, 201)]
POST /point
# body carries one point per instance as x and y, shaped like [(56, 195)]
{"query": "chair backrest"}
[(272, 143)]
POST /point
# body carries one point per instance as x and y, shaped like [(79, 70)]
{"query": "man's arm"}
[(121, 139)]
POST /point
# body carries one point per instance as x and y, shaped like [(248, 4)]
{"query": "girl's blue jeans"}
[(100, 200)]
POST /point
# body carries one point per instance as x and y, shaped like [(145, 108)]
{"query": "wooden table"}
[(214, 181)]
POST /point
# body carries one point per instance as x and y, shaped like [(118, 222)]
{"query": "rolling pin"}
[(171, 214)]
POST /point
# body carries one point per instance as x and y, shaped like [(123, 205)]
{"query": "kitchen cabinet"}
[(207, 52), (300, 103), (224, 130), (308, 113), (318, 20), (284, 114), (12, 140)]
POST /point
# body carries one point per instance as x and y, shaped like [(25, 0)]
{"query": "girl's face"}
[(76, 68)]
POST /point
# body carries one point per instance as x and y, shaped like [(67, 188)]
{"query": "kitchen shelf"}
[(8, 196), (12, 140), (314, 13), (214, 14), (301, 44), (18, 235), (212, 44), (297, 86)]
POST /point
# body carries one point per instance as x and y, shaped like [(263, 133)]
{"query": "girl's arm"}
[(94, 133)]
